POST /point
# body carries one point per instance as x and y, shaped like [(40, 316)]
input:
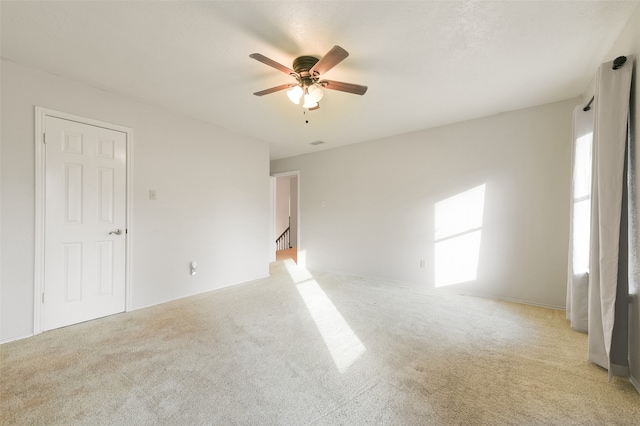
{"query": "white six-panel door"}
[(85, 222)]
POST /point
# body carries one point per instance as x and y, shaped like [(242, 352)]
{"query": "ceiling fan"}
[(307, 71)]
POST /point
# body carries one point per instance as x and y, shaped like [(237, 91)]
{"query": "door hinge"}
[(44, 138)]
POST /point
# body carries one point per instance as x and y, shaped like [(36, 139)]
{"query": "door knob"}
[(117, 232)]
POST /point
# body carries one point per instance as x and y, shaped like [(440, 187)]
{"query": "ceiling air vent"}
[(317, 143)]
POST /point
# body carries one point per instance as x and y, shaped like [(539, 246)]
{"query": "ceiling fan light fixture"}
[(294, 94), (307, 70), (315, 92), (309, 102)]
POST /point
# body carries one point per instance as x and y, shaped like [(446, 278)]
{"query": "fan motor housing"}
[(303, 64)]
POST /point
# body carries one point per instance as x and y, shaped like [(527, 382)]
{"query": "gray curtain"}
[(608, 256)]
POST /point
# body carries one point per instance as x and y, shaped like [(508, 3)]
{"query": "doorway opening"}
[(285, 217)]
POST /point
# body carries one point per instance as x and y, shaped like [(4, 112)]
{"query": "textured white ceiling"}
[(426, 63)]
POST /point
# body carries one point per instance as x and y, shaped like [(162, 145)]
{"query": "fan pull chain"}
[(306, 119)]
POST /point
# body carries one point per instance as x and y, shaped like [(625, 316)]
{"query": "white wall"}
[(380, 196), (629, 44), (212, 196)]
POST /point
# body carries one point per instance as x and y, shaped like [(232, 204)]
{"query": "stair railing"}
[(283, 242)]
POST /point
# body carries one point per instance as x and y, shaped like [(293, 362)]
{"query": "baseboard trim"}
[(13, 339), (462, 293), (248, 281), (635, 383)]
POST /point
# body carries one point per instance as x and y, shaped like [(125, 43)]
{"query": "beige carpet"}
[(321, 349)]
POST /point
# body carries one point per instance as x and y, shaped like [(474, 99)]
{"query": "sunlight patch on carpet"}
[(343, 344)]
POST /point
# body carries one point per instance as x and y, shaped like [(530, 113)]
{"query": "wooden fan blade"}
[(356, 89), (274, 89), (315, 107), (272, 63), (333, 57)]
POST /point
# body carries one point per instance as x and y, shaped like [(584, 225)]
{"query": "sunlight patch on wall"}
[(343, 344), (458, 232), (302, 257)]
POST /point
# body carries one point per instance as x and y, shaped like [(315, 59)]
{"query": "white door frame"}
[(272, 218), (301, 257), (40, 204)]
